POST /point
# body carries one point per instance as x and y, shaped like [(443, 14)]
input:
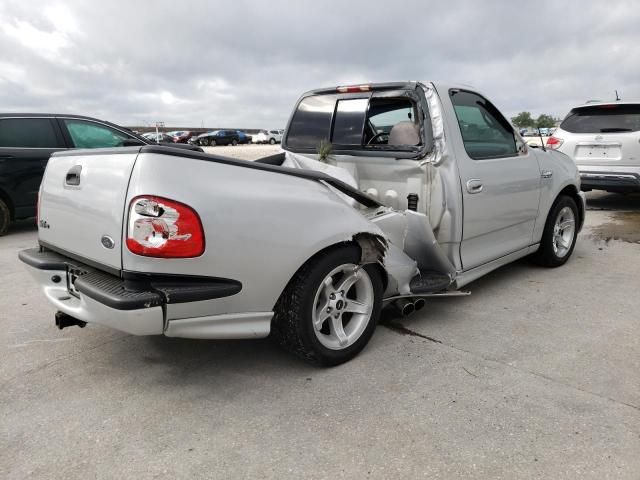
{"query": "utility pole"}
[(161, 125)]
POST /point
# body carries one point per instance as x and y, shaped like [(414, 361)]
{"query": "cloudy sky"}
[(244, 63)]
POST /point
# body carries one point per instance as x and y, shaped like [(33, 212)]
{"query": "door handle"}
[(73, 175), (546, 174), (474, 186)]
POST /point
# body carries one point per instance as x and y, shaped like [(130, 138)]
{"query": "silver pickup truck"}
[(385, 194)]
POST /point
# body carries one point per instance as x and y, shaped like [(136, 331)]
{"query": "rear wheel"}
[(5, 218), (560, 233), (234, 142), (329, 310)]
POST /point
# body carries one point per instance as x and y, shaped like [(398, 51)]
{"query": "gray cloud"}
[(244, 65)]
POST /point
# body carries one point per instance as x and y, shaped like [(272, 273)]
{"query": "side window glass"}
[(92, 135), (485, 132), (28, 133)]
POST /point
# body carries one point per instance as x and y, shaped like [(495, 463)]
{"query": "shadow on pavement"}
[(613, 201)]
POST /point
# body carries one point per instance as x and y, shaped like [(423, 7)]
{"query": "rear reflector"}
[(159, 227), (354, 89), (554, 143)]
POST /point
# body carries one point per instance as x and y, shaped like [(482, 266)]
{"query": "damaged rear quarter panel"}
[(260, 227)]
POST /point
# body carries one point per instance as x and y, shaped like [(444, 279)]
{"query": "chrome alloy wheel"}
[(342, 306), (563, 232)]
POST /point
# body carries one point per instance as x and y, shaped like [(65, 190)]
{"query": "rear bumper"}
[(620, 179), (136, 303)]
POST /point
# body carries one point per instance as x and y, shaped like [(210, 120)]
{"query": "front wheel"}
[(272, 141), (234, 142), (560, 233), (329, 310)]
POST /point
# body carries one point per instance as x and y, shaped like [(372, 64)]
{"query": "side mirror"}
[(132, 142)]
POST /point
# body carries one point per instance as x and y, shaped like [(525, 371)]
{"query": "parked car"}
[(27, 141), (268, 136), (243, 137), (429, 189), (219, 137), (159, 137), (181, 136), (604, 141)]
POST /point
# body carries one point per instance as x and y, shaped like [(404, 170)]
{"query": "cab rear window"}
[(602, 119), (353, 122)]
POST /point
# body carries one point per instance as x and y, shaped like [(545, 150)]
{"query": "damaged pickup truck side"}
[(426, 187)]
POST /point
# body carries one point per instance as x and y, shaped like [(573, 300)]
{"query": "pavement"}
[(534, 375)]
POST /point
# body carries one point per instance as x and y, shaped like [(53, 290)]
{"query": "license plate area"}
[(599, 152), (72, 275)]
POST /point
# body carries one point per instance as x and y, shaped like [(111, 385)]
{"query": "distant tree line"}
[(524, 120)]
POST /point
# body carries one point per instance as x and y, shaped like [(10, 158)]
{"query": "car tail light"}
[(354, 89), (159, 227), (554, 143)]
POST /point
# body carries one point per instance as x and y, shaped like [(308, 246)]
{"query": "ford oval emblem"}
[(107, 242)]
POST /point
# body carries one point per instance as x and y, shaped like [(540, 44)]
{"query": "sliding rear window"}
[(603, 119)]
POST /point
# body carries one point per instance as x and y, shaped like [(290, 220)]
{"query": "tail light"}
[(553, 143), (159, 227)]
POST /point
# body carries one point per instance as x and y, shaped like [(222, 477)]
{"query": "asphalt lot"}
[(535, 375)]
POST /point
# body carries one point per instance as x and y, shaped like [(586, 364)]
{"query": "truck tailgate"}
[(82, 203)]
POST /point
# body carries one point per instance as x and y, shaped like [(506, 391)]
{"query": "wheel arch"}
[(572, 192), (372, 249)]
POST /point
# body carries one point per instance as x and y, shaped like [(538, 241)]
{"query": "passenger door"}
[(26, 144), (500, 180)]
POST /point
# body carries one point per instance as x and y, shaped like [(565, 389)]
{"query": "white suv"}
[(268, 136), (604, 141)]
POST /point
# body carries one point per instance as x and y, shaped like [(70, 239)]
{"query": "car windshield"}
[(603, 119)]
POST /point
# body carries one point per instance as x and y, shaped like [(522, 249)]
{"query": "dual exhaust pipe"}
[(406, 306)]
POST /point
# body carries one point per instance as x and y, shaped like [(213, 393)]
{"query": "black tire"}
[(234, 142), (546, 255), (272, 141), (5, 218), (292, 325)]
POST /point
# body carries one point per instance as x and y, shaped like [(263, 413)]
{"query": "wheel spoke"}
[(321, 315), (566, 224), (357, 307), (338, 330), (348, 280)]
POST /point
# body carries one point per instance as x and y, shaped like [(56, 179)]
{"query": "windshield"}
[(603, 119)]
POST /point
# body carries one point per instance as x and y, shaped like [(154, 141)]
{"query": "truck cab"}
[(444, 151)]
